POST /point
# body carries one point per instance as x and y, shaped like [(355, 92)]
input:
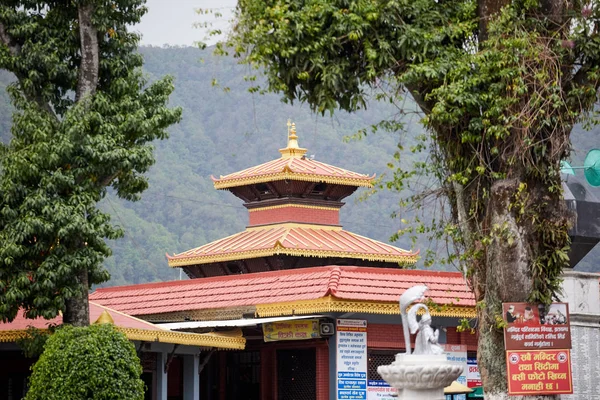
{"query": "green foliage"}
[(65, 153), (95, 362), (32, 344)]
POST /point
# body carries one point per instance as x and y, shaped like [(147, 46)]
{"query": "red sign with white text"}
[(539, 372), (536, 326)]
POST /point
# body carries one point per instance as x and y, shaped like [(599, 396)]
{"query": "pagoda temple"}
[(297, 286), (293, 204)]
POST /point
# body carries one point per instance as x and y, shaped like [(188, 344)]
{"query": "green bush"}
[(95, 362)]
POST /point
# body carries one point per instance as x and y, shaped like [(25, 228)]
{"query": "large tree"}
[(500, 84), (83, 122)]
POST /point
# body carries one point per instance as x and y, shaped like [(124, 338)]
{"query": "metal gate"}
[(377, 358), (296, 374), (243, 375)]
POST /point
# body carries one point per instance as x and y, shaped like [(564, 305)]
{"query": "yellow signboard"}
[(291, 330)]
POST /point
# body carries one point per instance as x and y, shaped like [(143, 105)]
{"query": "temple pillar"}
[(322, 372), (191, 377), (161, 376), (581, 291), (331, 344)]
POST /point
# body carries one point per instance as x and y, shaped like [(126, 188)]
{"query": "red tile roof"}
[(133, 328), (342, 282), (295, 240), (120, 320)]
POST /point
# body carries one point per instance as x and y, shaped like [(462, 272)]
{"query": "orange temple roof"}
[(295, 240), (293, 165)]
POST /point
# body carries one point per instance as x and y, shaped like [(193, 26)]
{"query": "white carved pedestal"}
[(420, 377)]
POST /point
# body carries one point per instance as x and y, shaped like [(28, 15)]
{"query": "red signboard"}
[(536, 326), (539, 372)]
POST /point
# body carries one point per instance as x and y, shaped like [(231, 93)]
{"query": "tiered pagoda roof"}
[(293, 204), (293, 240), (297, 168)]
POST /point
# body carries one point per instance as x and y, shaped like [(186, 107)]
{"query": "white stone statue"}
[(409, 296), (427, 337), (424, 374)]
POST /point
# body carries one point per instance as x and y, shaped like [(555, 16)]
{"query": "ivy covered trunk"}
[(505, 273)]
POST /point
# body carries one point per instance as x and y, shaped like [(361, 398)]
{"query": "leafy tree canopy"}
[(84, 119), (95, 362)]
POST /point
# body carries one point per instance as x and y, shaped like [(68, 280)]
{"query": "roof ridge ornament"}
[(293, 150), (105, 318)]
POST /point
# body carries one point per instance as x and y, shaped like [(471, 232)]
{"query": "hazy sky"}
[(171, 21)]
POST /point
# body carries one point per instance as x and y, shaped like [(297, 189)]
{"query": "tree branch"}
[(8, 41), (419, 98), (15, 50), (90, 58)]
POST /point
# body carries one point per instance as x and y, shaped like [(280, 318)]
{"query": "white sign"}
[(381, 390), (473, 376), (457, 354), (351, 360)]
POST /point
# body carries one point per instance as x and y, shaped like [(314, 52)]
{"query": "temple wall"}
[(304, 214)]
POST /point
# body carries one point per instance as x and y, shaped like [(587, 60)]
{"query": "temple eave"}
[(325, 304), (225, 183), (405, 259), (333, 304), (191, 339)]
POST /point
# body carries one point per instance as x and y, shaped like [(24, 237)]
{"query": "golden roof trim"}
[(14, 335), (333, 304), (162, 336), (295, 206), (189, 339), (367, 181), (279, 250)]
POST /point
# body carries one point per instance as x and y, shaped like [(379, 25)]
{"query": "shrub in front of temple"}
[(95, 362)]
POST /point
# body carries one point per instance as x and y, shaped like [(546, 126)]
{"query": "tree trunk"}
[(90, 58), (506, 278), (77, 311)]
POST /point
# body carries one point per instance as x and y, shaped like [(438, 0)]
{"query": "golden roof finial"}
[(292, 149), (105, 318)]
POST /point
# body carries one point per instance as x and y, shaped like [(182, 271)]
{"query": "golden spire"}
[(292, 149), (105, 318)]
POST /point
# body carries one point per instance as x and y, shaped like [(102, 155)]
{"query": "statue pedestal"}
[(420, 377)]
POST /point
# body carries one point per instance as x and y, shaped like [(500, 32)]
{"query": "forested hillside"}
[(223, 131)]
